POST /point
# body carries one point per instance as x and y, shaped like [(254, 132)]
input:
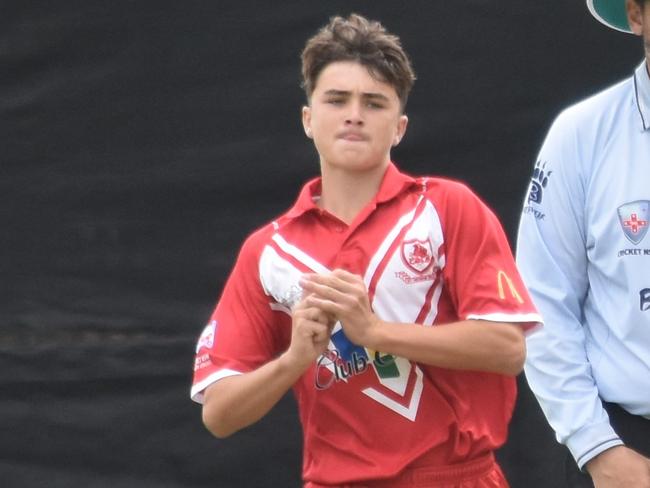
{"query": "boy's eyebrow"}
[(342, 93), (379, 96)]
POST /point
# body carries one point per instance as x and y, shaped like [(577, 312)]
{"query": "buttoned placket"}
[(349, 256)]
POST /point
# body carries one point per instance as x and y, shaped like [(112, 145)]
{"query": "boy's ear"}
[(306, 120), (402, 123)]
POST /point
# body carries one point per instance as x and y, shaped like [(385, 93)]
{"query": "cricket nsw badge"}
[(417, 254), (633, 217)]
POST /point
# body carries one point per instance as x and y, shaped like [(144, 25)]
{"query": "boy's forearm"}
[(467, 345), (236, 402)]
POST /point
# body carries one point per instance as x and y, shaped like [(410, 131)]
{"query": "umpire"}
[(584, 252)]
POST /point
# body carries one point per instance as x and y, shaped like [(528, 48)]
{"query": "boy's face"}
[(353, 118)]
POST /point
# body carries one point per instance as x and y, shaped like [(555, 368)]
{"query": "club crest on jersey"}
[(207, 336), (633, 217), (417, 254)]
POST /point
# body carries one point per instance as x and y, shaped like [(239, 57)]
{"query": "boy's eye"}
[(336, 101)]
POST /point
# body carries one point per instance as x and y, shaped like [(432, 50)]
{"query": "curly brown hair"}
[(361, 40)]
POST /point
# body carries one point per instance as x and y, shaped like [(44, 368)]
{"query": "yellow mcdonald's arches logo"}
[(501, 277)]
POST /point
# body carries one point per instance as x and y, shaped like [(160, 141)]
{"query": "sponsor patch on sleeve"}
[(206, 340)]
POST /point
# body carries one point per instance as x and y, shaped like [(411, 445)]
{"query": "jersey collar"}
[(642, 94), (393, 183)]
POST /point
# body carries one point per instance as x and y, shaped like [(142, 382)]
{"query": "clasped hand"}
[(343, 295)]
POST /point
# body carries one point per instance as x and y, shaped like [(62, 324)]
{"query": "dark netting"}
[(141, 141)]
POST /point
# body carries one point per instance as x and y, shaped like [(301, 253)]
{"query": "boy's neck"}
[(344, 193)]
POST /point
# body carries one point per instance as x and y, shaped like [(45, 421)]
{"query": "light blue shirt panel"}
[(596, 157), (551, 254), (617, 326)]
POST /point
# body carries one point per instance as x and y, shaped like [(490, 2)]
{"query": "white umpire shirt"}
[(583, 250)]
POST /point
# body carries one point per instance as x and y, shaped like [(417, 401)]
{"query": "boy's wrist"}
[(378, 335)]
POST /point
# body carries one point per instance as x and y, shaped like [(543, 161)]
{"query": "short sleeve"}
[(480, 272), (244, 332)]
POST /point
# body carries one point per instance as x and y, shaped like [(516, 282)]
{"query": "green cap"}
[(612, 13)]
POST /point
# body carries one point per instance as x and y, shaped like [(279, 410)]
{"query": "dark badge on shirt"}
[(644, 299), (538, 182)]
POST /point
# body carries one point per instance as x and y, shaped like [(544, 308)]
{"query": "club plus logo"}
[(347, 360), (396, 384)]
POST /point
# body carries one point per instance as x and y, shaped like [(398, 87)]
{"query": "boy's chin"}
[(357, 164)]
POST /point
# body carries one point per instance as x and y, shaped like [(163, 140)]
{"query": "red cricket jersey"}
[(430, 253)]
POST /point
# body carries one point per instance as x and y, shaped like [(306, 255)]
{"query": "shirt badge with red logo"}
[(417, 254), (633, 217)]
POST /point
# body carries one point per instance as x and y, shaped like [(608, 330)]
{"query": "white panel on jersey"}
[(389, 239), (506, 317), (299, 254), (411, 411), (197, 390), (279, 278), (278, 307), (433, 311), (399, 383), (401, 290)]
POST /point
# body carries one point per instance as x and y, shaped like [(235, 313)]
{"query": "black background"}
[(141, 141)]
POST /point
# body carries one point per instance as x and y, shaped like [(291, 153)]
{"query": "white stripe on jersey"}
[(197, 391), (505, 317), (395, 300), (409, 412), (280, 279), (299, 254), (278, 307), (389, 239)]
